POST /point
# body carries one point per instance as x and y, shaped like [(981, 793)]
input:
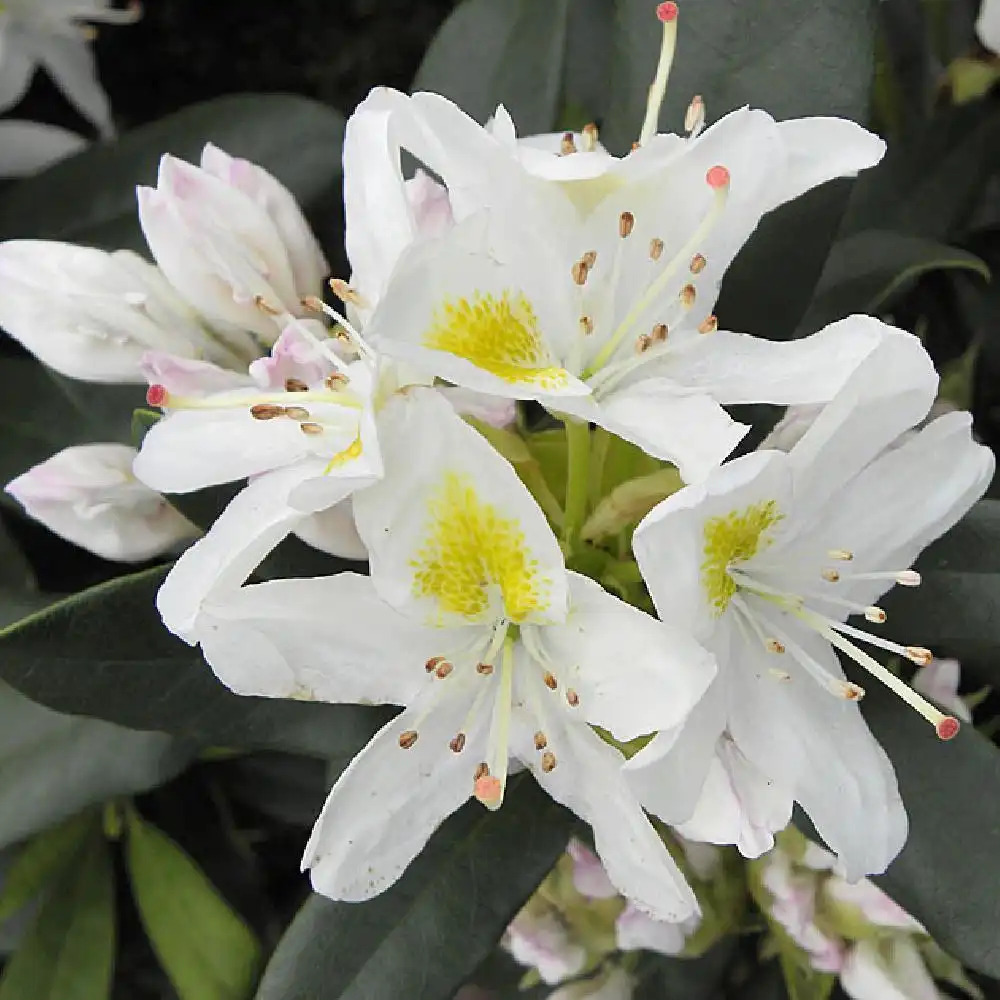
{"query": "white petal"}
[(327, 639), (633, 674), (188, 376), (334, 531), (452, 533), (386, 805), (587, 778), (26, 147), (939, 681), (87, 495), (70, 62), (17, 66), (988, 25), (897, 974), (634, 930)]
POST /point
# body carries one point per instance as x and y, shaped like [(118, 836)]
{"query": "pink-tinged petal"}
[(493, 410), (188, 376), (589, 877), (542, 941), (939, 681), (430, 205), (294, 356), (635, 930)]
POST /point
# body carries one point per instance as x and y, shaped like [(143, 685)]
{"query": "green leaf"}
[(665, 978), (866, 271), (90, 198), (205, 948), (426, 935), (508, 53), (52, 766), (105, 653), (952, 794), (69, 953)]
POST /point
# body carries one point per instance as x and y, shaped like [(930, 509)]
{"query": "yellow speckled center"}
[(734, 538), (470, 548), (501, 335)]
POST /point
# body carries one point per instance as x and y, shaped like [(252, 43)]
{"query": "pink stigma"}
[(489, 791), (667, 12), (157, 395), (948, 728), (717, 177)]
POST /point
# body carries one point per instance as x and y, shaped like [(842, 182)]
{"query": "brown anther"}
[(580, 272), (297, 412), (636, 146), (311, 428), (444, 669), (550, 682), (266, 411), (830, 575), (567, 145), (458, 743), (626, 223), (295, 385), (586, 325), (548, 761), (264, 306), (541, 740), (920, 656), (643, 343), (572, 697), (313, 303), (688, 296), (659, 333), (345, 293), (853, 693), (337, 380), (655, 248), (698, 263), (481, 771), (407, 739), (709, 324), (590, 136), (589, 259), (774, 646), (432, 664), (484, 668)]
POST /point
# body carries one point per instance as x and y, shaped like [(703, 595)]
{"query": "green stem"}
[(578, 463), (602, 444)]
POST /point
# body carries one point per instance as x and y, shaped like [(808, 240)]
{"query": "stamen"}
[(346, 294), (484, 668), (295, 385), (915, 654), (875, 614), (335, 381), (586, 325), (694, 117), (444, 669), (709, 325), (841, 555), (779, 675), (489, 791), (458, 743), (655, 248), (698, 263), (432, 664), (589, 259), (626, 223), (667, 14), (482, 770), (548, 761), (355, 338), (550, 682), (830, 575), (297, 412), (311, 429), (541, 740), (572, 697), (567, 145), (589, 136), (643, 343), (659, 333), (407, 739), (773, 646), (688, 295), (580, 271), (265, 307), (266, 411)]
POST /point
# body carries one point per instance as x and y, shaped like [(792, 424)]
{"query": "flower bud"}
[(88, 495), (92, 315)]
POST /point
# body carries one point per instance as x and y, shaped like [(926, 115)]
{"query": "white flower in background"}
[(233, 242), (54, 35), (939, 681), (471, 620), (88, 495), (612, 984), (92, 315), (541, 940), (763, 563), (988, 25), (26, 147)]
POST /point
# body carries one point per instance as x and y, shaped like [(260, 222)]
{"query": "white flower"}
[(589, 877), (988, 25), (939, 681), (92, 315), (763, 563), (231, 239), (613, 984), (891, 969), (472, 621), (88, 495), (52, 34), (26, 147), (542, 941)]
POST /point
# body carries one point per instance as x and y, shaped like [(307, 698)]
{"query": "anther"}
[(313, 303), (444, 668), (853, 692), (335, 380), (541, 740), (157, 395), (295, 385), (264, 306), (589, 136), (626, 223), (688, 295), (947, 728), (586, 325), (920, 656), (659, 333), (841, 555), (774, 646), (458, 743), (297, 412), (311, 428), (266, 411), (830, 575), (567, 144), (572, 697), (643, 343), (580, 272), (694, 117), (717, 177), (548, 761), (655, 248), (550, 682), (431, 665), (345, 293), (484, 668), (666, 12), (589, 259), (875, 614), (489, 791), (908, 578), (698, 263), (407, 739), (482, 771), (709, 324)]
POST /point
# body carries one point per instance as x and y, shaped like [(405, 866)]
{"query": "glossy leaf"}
[(427, 934)]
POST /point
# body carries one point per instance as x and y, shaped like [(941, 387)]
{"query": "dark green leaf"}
[(90, 198), (511, 53), (425, 936), (69, 953), (105, 653), (204, 946), (664, 978), (52, 766)]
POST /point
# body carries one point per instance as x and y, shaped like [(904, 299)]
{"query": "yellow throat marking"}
[(733, 538), (501, 335), (469, 548)]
